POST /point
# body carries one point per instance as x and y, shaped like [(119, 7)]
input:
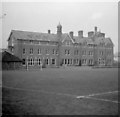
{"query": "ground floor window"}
[(76, 61), (101, 61), (53, 61), (47, 61), (84, 61), (90, 61), (38, 61), (65, 61), (23, 61), (68, 62), (31, 61)]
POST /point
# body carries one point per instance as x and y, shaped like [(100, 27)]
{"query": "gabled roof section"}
[(108, 41), (67, 37), (83, 40)]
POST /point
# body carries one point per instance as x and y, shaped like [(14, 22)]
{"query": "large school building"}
[(53, 50)]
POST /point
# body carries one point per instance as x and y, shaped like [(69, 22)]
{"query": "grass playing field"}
[(55, 91)]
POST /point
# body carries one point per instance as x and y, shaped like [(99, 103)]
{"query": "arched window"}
[(38, 61)]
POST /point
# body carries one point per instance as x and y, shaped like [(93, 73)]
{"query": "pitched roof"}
[(35, 35), (53, 37), (8, 57)]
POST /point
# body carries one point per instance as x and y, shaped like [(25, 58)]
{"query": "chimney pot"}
[(95, 28), (48, 31), (71, 34), (80, 34), (90, 34)]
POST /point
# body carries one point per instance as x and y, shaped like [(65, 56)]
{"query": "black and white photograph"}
[(59, 57)]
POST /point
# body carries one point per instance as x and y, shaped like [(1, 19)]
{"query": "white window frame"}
[(39, 61), (31, 62), (47, 61)]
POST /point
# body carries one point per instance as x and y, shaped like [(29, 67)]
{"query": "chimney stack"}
[(80, 34), (71, 34), (90, 34), (95, 29), (48, 31)]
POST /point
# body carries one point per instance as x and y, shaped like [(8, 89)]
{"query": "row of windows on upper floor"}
[(67, 52), (67, 43)]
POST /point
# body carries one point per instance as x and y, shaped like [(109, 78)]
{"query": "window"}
[(68, 61), (101, 61), (76, 61), (90, 53), (65, 61), (53, 51), (23, 61), (84, 52), (39, 51), (76, 52), (53, 61), (47, 52), (31, 50), (39, 61), (47, 61), (31, 61), (90, 61), (23, 50), (56, 51), (84, 61), (67, 52)]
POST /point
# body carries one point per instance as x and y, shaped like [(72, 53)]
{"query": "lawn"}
[(53, 91)]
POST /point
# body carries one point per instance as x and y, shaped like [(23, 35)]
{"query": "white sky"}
[(73, 16)]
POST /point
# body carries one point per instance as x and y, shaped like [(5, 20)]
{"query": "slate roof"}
[(53, 37), (35, 35)]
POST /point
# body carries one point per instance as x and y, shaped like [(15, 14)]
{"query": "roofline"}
[(37, 40)]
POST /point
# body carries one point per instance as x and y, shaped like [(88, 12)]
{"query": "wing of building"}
[(52, 50)]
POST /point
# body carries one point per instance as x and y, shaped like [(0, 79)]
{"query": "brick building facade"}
[(53, 50)]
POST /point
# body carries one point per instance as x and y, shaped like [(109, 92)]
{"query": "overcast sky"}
[(73, 16)]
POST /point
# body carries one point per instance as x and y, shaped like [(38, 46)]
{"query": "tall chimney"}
[(80, 34), (95, 29), (48, 31), (71, 34)]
